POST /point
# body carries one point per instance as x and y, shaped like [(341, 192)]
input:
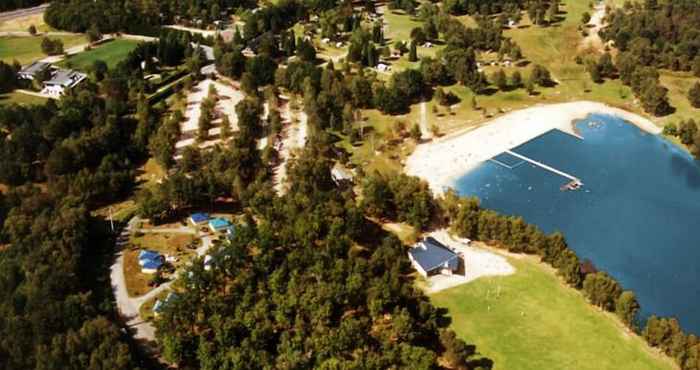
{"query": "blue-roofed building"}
[(159, 305), (146, 255), (219, 224), (151, 266), (199, 218), (150, 261), (430, 257)]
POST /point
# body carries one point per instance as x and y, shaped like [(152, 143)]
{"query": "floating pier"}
[(574, 180)]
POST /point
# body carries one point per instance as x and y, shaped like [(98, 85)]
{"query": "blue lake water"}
[(635, 217)]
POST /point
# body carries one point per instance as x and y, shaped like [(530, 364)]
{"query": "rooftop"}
[(66, 78), (219, 223), (34, 68), (431, 254), (199, 217), (152, 264), (146, 254)]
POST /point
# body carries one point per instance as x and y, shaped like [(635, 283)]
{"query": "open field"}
[(530, 320), (136, 282), (23, 23), (19, 98), (111, 52), (165, 243), (28, 49)]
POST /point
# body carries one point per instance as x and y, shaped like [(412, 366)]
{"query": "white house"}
[(62, 80), (381, 67)]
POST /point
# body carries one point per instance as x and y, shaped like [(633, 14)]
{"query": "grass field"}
[(19, 98), (170, 244), (111, 53), (530, 320), (28, 49), (23, 23)]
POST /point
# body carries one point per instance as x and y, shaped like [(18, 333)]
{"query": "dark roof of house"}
[(65, 77), (35, 67), (431, 254), (199, 217)]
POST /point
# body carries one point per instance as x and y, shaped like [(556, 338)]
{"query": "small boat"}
[(572, 185)]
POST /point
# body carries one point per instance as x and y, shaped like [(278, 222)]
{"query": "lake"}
[(634, 217)]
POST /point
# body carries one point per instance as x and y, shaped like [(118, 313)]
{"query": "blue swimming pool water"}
[(636, 217)]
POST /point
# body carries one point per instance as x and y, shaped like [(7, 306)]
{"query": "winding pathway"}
[(129, 306)]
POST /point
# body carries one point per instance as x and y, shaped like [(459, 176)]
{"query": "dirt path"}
[(424, 128), (129, 306), (593, 39), (294, 138)]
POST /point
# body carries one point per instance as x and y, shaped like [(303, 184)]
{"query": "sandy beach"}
[(440, 162)]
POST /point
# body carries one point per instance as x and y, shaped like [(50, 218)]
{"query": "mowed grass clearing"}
[(22, 24), (170, 244), (28, 49), (110, 52), (531, 320)]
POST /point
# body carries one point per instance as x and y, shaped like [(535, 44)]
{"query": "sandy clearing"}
[(478, 263), (226, 106), (593, 39), (425, 130), (443, 160), (293, 139)]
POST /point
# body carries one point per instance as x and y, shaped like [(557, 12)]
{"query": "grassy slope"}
[(23, 23), (111, 53), (554, 47), (28, 49), (530, 320)]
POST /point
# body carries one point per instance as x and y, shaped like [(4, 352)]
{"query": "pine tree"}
[(225, 128), (530, 86), (500, 80), (516, 80), (413, 54), (694, 95)]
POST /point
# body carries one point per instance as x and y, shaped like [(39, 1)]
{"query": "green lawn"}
[(28, 49), (111, 53), (19, 98), (530, 320)]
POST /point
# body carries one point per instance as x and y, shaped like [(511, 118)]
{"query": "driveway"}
[(129, 306)]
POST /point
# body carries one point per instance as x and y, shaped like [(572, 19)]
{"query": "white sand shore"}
[(442, 161), (478, 262)]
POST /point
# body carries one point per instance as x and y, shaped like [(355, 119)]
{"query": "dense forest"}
[(7, 5), (309, 280), (59, 162), (309, 283), (650, 36), (134, 16), (56, 303)]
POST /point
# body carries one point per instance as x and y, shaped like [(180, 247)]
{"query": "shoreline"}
[(441, 162)]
